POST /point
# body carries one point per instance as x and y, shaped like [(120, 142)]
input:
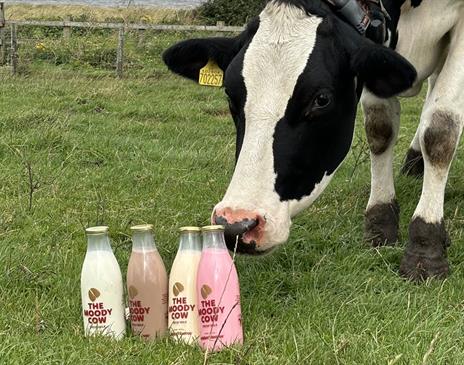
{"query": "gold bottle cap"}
[(190, 229), (142, 228), (213, 229), (97, 230)]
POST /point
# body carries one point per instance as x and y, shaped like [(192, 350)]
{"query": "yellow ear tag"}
[(211, 75)]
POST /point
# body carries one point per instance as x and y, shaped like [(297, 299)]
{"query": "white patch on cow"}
[(422, 35), (273, 62)]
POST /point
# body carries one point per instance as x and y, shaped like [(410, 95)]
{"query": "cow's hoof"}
[(381, 224), (425, 255), (413, 164)]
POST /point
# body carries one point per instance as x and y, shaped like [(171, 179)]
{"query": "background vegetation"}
[(79, 147), (237, 12), (133, 14)]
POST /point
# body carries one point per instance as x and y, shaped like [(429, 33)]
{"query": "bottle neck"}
[(99, 242), (190, 241), (214, 240), (143, 241)]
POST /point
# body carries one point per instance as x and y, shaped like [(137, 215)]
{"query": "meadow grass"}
[(79, 147), (132, 14)]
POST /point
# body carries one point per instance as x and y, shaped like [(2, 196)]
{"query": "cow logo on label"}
[(206, 291), (177, 289), (94, 294), (133, 292)]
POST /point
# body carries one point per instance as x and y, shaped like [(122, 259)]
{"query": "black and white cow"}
[(294, 79)]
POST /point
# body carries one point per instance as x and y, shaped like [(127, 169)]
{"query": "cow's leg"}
[(441, 127), (382, 119), (414, 162)]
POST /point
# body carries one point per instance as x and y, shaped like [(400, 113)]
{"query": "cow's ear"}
[(187, 58), (383, 71)]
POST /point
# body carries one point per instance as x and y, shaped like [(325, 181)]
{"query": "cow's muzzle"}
[(243, 230)]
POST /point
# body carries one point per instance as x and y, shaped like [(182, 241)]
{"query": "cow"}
[(294, 78)]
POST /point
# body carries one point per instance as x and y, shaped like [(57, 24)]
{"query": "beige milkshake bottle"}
[(183, 316), (147, 285), (101, 287)]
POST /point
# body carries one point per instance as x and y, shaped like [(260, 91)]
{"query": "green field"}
[(79, 147)]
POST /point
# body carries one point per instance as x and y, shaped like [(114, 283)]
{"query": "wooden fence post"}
[(120, 53), (2, 34), (220, 25), (2, 47), (67, 30), (2, 14), (141, 40), (14, 49)]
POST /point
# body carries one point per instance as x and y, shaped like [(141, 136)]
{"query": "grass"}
[(132, 14), (79, 147)]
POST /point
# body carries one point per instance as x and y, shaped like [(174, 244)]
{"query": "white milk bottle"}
[(183, 304), (102, 288)]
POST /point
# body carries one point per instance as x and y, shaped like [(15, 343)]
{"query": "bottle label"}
[(214, 316), (210, 312), (137, 311), (180, 311), (96, 314)]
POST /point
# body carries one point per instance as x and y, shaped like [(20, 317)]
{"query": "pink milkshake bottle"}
[(218, 293)]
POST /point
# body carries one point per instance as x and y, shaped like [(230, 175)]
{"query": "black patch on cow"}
[(399, 3), (379, 129), (237, 95), (383, 71), (413, 164), (381, 223), (441, 138), (425, 255)]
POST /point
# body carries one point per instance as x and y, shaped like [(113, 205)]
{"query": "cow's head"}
[(292, 79)]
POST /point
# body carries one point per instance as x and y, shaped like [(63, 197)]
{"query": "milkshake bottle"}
[(101, 287), (218, 293), (183, 305), (147, 285)]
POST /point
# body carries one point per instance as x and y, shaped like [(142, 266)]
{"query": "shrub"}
[(233, 12)]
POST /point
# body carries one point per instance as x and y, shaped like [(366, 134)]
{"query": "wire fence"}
[(118, 47)]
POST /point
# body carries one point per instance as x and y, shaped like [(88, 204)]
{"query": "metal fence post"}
[(120, 53)]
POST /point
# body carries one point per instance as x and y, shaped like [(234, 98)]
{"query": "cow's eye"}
[(321, 101)]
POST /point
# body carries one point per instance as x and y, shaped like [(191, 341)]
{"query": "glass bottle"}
[(147, 285), (183, 305), (101, 287)]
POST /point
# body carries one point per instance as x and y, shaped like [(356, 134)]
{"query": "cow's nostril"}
[(236, 228)]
